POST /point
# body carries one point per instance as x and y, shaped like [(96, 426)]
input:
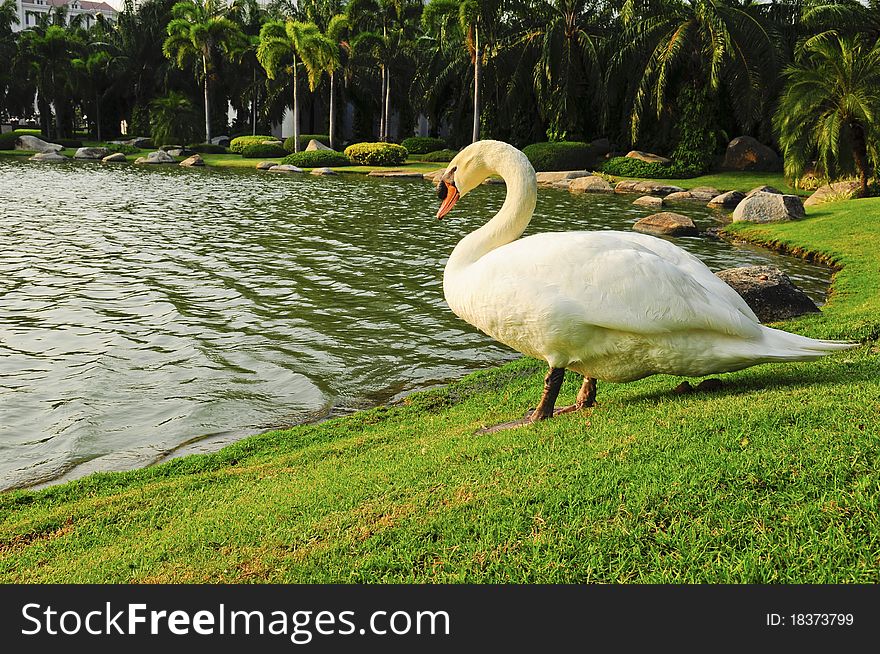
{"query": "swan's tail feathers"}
[(785, 346)]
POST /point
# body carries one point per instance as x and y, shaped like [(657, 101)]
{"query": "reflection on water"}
[(147, 312)]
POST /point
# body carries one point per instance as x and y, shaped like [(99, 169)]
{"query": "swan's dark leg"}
[(586, 397), (552, 384)]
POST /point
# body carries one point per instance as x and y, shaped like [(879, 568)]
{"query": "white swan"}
[(614, 306)]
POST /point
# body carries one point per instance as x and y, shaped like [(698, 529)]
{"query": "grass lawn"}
[(773, 479), (735, 181)]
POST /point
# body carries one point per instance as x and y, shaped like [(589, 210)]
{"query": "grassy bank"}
[(773, 479)]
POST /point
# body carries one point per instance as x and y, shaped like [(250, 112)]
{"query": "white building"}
[(29, 11)]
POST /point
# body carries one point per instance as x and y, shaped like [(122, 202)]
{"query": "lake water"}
[(152, 312)]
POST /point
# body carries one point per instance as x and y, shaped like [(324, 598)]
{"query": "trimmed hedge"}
[(304, 141), (120, 147), (7, 140), (629, 167), (440, 156), (423, 144), (560, 155), (262, 151), (238, 144), (376, 154), (207, 148), (316, 159)]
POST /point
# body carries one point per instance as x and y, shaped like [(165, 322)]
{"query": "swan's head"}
[(472, 166)]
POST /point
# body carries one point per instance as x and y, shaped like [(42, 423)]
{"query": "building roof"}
[(83, 4)]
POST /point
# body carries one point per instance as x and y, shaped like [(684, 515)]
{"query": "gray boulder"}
[(140, 142), (763, 189), (158, 157), (667, 223), (31, 143), (647, 187), (747, 153), (48, 156), (769, 208), (285, 168), (589, 184), (649, 201), (265, 165), (834, 193), (315, 146), (220, 140), (728, 200), (323, 171), (116, 157), (551, 177), (769, 292), (91, 153), (699, 195)]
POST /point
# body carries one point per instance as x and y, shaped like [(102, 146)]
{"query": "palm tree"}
[(708, 44), (172, 119), (199, 30), (831, 107), (250, 18), (336, 32), (283, 46), (95, 73)]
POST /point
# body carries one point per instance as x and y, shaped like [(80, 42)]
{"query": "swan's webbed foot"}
[(586, 398), (705, 386)]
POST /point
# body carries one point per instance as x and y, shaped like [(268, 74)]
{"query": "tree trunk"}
[(860, 154), (387, 106), (207, 103), (295, 110), (477, 73), (98, 116), (382, 108), (332, 128), (254, 105)]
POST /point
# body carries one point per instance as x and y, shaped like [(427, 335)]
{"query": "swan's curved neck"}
[(510, 221)]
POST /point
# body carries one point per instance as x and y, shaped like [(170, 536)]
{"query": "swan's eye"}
[(441, 191)]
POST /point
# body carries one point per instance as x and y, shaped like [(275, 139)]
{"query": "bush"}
[(316, 159), (238, 144), (628, 167), (29, 132), (7, 140), (67, 143), (304, 141), (173, 119), (440, 156), (120, 147), (423, 144), (207, 148), (262, 151), (561, 155), (376, 154)]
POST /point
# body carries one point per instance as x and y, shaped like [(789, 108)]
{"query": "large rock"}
[(590, 184), (747, 153), (265, 165), (834, 193), (324, 171), (763, 189), (769, 292), (728, 200), (48, 156), (667, 223), (220, 140), (700, 195), (551, 177), (649, 201), (91, 153), (31, 143), (116, 157), (195, 160), (285, 168), (140, 142), (769, 208), (647, 157), (157, 157), (646, 187), (315, 145)]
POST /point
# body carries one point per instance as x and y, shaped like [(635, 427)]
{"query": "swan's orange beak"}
[(449, 195)]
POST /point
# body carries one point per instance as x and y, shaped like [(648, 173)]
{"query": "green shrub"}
[(262, 151), (238, 144), (376, 154), (628, 167), (560, 155), (207, 148), (697, 140), (67, 143), (120, 147), (441, 156), (29, 132), (7, 140), (316, 159), (423, 144), (304, 141)]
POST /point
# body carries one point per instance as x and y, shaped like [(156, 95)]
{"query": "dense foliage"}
[(628, 167), (262, 151), (441, 156), (423, 144), (238, 144), (316, 159), (376, 154), (562, 155), (207, 148)]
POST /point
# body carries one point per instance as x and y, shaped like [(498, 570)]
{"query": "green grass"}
[(773, 479), (734, 181)]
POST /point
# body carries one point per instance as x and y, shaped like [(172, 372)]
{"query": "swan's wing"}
[(616, 283)]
